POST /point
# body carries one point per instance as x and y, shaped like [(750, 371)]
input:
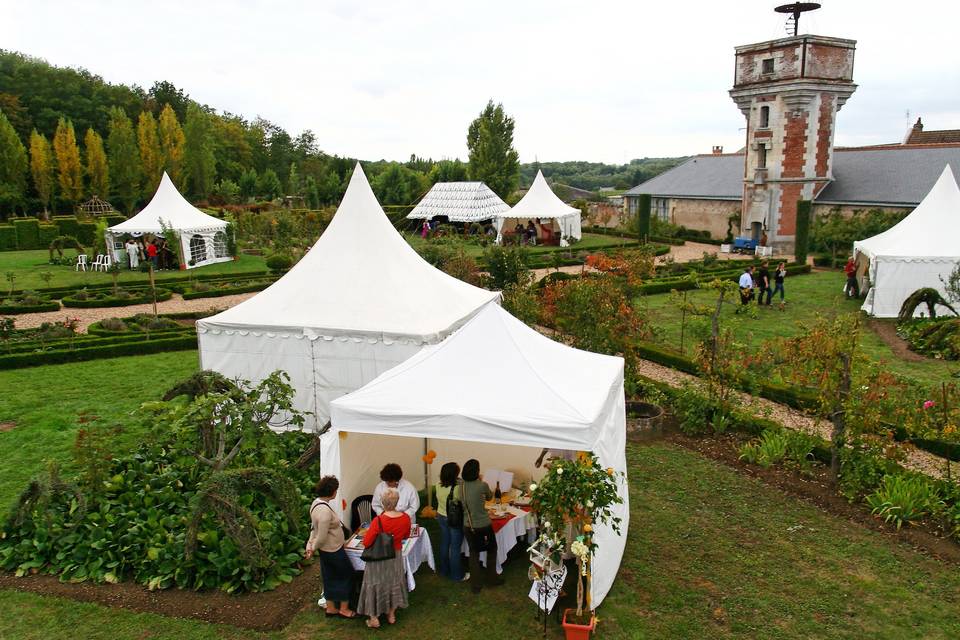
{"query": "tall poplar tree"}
[(13, 167), (199, 163), (151, 157), (493, 159), (69, 171), (98, 171), (124, 159), (172, 142), (41, 169)]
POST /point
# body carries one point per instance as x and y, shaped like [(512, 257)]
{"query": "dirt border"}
[(887, 332)]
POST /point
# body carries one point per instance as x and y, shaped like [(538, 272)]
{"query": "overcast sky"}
[(589, 80)]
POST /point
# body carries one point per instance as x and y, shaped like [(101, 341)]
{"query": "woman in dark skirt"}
[(384, 587), (326, 536)]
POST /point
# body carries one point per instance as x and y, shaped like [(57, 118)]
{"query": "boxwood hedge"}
[(98, 299)]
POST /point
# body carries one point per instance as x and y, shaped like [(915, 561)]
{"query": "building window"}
[(764, 117), (761, 157), (661, 208), (766, 66), (198, 249)]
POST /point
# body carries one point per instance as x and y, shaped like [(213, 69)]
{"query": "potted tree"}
[(572, 498)]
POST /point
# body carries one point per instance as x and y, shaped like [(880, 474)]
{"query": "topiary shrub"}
[(28, 233), (8, 237), (928, 296), (279, 262)]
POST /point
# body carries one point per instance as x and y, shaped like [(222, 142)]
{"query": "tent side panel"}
[(895, 280), (362, 456)]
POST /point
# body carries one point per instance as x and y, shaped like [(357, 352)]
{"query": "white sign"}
[(545, 592)]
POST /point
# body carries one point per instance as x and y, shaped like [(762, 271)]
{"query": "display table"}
[(519, 525), (416, 551)]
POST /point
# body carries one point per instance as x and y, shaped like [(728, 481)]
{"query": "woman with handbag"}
[(327, 534), (477, 527), (450, 519), (384, 587)]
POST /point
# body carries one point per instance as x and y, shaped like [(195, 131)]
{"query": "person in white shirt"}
[(391, 477), (133, 253), (746, 285)]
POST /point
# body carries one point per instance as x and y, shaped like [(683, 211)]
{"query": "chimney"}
[(717, 150)]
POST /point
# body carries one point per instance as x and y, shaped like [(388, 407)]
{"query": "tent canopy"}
[(169, 206), (916, 252), (361, 279), (501, 387), (459, 202), (541, 202)]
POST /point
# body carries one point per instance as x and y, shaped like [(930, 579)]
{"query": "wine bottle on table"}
[(497, 495)]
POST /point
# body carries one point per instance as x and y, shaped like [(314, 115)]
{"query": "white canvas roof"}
[(360, 279), (495, 382), (460, 202), (541, 202), (168, 205), (915, 253)]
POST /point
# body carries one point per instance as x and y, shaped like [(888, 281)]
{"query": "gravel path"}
[(916, 459), (176, 304)]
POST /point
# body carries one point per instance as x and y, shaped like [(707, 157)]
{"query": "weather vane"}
[(795, 9)]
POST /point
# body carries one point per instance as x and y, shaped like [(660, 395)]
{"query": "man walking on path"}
[(746, 285), (763, 281)]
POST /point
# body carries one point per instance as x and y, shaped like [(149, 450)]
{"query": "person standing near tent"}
[(327, 535), (852, 289), (152, 253), (391, 477), (451, 537), (477, 527), (133, 253), (425, 229), (384, 587)]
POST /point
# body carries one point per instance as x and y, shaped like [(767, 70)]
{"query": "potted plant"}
[(571, 499)]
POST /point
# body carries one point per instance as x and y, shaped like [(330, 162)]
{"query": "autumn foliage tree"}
[(172, 143), (124, 159), (98, 171), (69, 171), (41, 169), (151, 157)]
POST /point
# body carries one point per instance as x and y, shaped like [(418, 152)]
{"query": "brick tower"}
[(790, 90)]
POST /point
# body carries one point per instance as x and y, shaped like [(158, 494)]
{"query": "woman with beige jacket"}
[(327, 537)]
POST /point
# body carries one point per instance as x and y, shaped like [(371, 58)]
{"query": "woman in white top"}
[(391, 477)]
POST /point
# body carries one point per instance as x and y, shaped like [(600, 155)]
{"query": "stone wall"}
[(710, 215)]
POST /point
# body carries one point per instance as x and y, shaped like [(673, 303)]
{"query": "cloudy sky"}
[(589, 80)]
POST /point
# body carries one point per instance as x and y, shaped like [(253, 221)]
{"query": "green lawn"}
[(590, 241), (710, 553), (28, 265), (821, 293)]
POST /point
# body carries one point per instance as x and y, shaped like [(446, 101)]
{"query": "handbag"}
[(455, 508), (382, 547)]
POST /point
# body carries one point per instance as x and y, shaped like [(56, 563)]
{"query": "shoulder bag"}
[(382, 547), (455, 508)]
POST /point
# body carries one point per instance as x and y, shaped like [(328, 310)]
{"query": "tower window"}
[(764, 117), (761, 157), (766, 66)]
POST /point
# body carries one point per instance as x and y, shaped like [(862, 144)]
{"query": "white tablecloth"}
[(416, 551), (522, 527)]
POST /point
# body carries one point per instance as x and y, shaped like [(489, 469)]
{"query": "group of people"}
[(395, 503), (762, 285), (157, 251)]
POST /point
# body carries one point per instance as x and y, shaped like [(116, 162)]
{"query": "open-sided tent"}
[(541, 202), (914, 253), (497, 391), (203, 238), (358, 303), (459, 202)]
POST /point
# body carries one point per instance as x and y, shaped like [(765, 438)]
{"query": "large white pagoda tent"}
[(203, 238), (541, 202), (915, 253), (358, 303), (459, 202), (497, 391)]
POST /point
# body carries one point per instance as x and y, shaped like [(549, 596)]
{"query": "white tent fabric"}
[(497, 391), (199, 239), (358, 303), (915, 252), (541, 202), (459, 202)]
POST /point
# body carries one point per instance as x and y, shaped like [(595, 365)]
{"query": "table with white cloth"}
[(521, 525), (415, 550)]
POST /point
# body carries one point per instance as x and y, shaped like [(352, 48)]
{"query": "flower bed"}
[(125, 297), (937, 338), (142, 323), (27, 302)]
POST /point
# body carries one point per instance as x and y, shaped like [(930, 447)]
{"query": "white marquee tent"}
[(497, 391), (541, 202), (358, 303), (915, 252), (459, 202), (203, 238)]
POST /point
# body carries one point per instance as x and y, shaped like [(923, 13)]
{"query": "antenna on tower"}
[(795, 9)]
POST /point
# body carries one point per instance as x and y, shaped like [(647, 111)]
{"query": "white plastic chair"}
[(101, 263), (81, 263)]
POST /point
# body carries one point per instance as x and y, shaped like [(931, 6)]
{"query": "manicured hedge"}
[(667, 358), (166, 283), (14, 309), (8, 237), (48, 233), (28, 233), (93, 340), (136, 348), (229, 291), (69, 226), (162, 294), (86, 233)]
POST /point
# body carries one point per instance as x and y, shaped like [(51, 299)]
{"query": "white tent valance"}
[(541, 202), (459, 202), (914, 253), (497, 390)]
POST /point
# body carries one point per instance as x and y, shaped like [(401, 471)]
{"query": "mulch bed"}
[(818, 490), (267, 611)]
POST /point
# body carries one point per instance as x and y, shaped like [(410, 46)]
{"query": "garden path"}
[(916, 459), (176, 304)]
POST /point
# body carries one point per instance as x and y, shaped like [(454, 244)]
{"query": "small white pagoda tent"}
[(497, 391), (541, 202), (203, 238), (914, 253), (460, 202), (358, 303)]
